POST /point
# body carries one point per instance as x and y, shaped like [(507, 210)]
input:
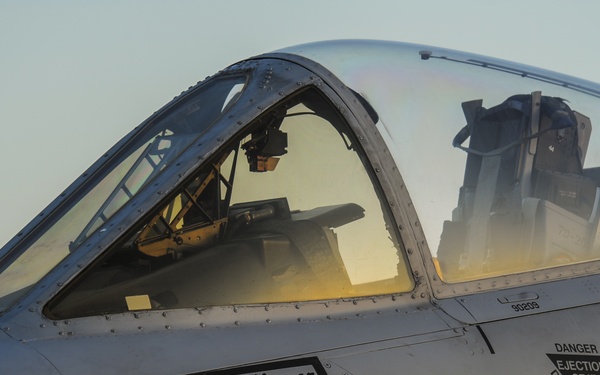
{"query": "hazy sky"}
[(75, 75)]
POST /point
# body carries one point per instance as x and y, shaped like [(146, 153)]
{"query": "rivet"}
[(70, 333), (164, 314), (61, 333), (328, 365), (377, 170), (269, 321), (413, 296), (298, 307), (168, 327), (107, 317), (31, 309), (266, 308), (7, 329), (409, 251), (42, 325), (401, 227), (359, 315), (55, 323), (299, 319), (237, 322), (422, 295), (202, 325), (235, 309), (140, 328), (67, 322), (355, 302), (137, 316)]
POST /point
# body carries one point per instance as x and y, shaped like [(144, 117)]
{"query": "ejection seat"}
[(526, 201)]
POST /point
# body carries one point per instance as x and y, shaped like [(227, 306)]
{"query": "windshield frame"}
[(259, 95), (267, 87)]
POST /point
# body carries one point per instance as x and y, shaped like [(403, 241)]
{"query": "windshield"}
[(284, 212), (141, 159)]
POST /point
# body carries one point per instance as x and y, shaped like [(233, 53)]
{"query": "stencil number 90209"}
[(518, 307)]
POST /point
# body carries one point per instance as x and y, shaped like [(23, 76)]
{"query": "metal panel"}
[(524, 300)]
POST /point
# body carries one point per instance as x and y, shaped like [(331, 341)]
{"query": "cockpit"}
[(326, 172)]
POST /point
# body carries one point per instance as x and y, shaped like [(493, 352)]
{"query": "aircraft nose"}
[(19, 358)]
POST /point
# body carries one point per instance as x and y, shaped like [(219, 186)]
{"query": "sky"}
[(75, 76)]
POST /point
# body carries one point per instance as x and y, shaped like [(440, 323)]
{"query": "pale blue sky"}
[(75, 75)]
